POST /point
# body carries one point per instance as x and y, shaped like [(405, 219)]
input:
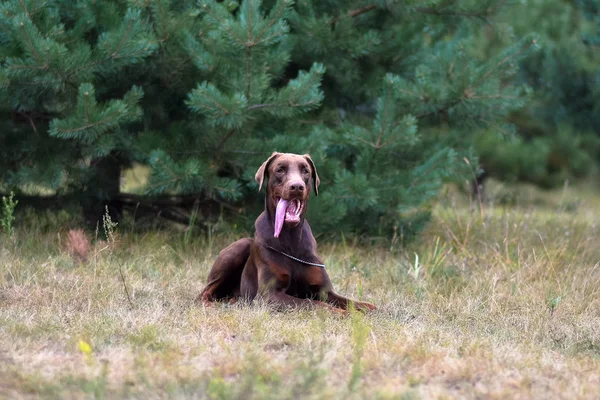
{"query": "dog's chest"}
[(306, 281)]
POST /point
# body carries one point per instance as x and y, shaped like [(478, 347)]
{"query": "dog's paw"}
[(204, 300), (339, 311), (364, 306)]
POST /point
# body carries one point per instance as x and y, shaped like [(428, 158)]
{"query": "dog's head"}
[(289, 180)]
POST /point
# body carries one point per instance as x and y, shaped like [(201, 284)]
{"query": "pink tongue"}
[(280, 216)]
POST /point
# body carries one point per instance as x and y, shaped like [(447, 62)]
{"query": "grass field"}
[(492, 302)]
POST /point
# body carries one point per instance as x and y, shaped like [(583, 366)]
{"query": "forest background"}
[(392, 100)]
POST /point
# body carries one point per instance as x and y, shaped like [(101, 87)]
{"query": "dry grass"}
[(78, 245), (502, 303)]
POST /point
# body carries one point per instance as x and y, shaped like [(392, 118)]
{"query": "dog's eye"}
[(280, 170), (305, 171)]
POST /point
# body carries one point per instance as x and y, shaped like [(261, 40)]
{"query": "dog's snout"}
[(297, 187)]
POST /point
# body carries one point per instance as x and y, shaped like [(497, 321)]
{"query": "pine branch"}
[(494, 96), (354, 13), (31, 123), (504, 61), (84, 127), (273, 105), (249, 45), (211, 151), (174, 177), (223, 111), (301, 94), (452, 13), (225, 139), (274, 19), (113, 54), (469, 93), (123, 38), (481, 14), (32, 46), (386, 107), (248, 71), (432, 167), (377, 146), (161, 20), (442, 109), (268, 38), (24, 7), (197, 54), (362, 140), (89, 121)]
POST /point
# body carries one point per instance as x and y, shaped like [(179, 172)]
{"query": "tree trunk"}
[(102, 191), (477, 186)]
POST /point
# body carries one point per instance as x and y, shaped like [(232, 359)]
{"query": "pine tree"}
[(558, 130), (386, 96)]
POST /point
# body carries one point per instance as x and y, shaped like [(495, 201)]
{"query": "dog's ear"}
[(261, 174), (315, 175)]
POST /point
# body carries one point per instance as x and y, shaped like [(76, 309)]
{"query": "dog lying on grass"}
[(281, 261)]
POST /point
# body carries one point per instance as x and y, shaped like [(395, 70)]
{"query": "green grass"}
[(501, 301)]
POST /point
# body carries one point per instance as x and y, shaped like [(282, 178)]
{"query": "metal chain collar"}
[(294, 258)]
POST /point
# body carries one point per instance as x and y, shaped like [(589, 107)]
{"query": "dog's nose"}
[(297, 187)]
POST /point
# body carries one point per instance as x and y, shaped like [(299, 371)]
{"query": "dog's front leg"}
[(282, 300), (342, 302)]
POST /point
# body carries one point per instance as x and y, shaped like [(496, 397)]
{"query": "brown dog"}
[(281, 262)]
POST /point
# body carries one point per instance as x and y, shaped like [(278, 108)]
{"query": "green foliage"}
[(558, 130), (546, 160), (387, 97), (110, 228), (53, 57), (88, 122), (8, 213), (192, 176)]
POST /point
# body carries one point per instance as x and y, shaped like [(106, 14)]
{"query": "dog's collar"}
[(294, 258)]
